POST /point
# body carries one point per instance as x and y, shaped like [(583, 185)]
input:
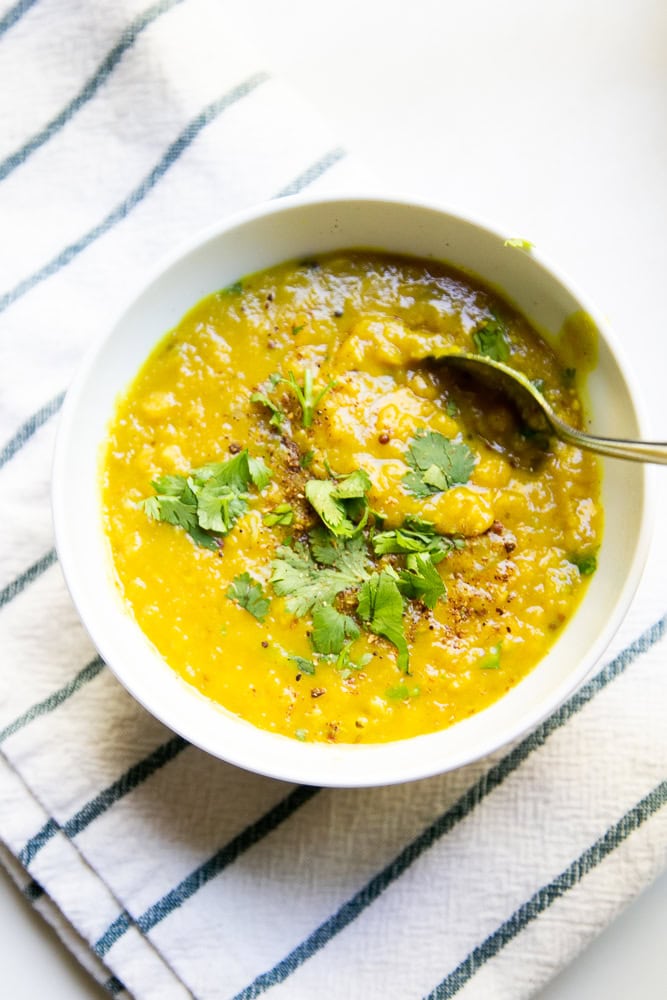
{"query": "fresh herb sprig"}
[(415, 536), (341, 503), (249, 595), (490, 339), (437, 464), (311, 576), (381, 608), (307, 397), (208, 502)]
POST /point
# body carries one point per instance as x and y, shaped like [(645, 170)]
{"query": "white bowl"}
[(251, 241)]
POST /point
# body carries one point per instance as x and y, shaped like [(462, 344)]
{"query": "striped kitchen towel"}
[(125, 128)]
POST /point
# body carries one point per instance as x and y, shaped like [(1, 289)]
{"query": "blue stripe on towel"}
[(36, 843), (52, 702), (30, 427), (249, 836), (114, 931), (113, 986), (13, 14), (350, 910), (101, 74), (549, 893), (14, 588), (175, 150), (32, 891), (131, 779), (313, 173)]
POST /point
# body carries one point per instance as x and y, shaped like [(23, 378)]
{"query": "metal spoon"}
[(518, 387)]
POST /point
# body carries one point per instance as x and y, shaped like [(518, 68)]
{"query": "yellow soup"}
[(325, 533)]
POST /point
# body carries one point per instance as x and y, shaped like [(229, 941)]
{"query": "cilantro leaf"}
[(331, 629), (219, 507), (586, 563), (415, 536), (490, 340), (320, 493), (301, 582), (304, 584), (437, 463), (518, 244), (346, 664), (303, 666), (259, 471), (421, 580), (341, 503), (401, 692), (235, 288), (235, 473), (349, 555), (381, 607), (249, 595), (492, 660), (277, 414), (282, 515), (305, 394), (174, 502), (210, 500)]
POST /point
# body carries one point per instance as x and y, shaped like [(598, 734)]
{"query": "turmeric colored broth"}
[(528, 522)]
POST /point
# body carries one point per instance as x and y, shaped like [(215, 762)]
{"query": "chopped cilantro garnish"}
[(260, 473), (297, 329), (421, 579), (586, 563), (210, 500), (331, 630), (438, 463), (490, 340), (301, 734), (381, 607), (249, 595), (519, 244), (304, 584), (235, 288), (282, 515), (303, 666), (305, 394), (346, 664), (174, 502), (538, 383), (569, 377), (492, 660), (277, 414), (341, 503), (400, 692), (306, 459), (415, 536)]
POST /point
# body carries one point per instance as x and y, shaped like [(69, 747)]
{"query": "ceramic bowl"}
[(259, 238)]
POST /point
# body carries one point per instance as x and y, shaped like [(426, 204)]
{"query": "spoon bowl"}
[(528, 397)]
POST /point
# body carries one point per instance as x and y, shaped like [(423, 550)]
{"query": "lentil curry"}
[(326, 535)]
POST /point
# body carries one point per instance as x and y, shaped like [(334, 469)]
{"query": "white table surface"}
[(550, 121)]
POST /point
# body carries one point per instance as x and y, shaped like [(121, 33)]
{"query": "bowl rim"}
[(303, 770)]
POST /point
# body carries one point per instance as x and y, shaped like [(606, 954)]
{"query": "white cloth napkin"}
[(124, 129)]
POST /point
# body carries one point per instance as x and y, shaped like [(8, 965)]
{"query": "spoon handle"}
[(634, 451)]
